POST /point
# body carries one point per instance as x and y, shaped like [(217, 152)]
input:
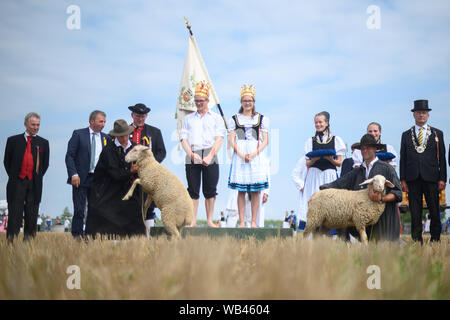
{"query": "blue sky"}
[(302, 56)]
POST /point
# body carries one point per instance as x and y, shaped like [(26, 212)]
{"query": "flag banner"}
[(193, 72)]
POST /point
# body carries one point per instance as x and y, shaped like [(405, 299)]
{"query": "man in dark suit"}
[(150, 136), (26, 161), (83, 152), (423, 170)]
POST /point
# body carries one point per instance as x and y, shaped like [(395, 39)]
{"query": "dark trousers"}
[(23, 207), (417, 188), (80, 197), (209, 177)]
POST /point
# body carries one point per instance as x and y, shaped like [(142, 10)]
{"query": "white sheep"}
[(164, 188), (340, 208)]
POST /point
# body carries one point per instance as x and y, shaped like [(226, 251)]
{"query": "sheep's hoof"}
[(126, 197)]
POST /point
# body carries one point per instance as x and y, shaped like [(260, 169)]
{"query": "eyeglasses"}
[(199, 101), (247, 101)]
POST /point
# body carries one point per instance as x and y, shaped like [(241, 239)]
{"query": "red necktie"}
[(26, 170)]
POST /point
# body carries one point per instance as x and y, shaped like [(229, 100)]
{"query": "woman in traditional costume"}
[(249, 136), (323, 154)]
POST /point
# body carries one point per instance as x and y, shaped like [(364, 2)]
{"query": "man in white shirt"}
[(83, 152), (201, 136)]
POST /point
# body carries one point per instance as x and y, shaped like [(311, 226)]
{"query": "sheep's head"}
[(378, 183), (138, 152)]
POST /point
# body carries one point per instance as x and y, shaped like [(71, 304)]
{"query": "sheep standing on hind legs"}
[(336, 208), (164, 188)]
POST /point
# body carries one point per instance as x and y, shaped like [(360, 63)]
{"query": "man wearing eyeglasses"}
[(201, 136), (151, 137)]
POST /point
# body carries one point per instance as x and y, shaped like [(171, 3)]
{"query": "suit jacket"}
[(152, 135), (14, 152), (347, 166), (426, 164), (78, 156)]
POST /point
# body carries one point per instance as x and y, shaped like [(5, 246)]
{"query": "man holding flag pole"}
[(200, 130)]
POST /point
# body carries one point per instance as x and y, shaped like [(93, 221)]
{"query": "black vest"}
[(323, 164), (240, 129)]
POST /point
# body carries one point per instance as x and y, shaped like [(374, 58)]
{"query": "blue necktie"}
[(92, 165)]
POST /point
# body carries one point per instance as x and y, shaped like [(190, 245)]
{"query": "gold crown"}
[(202, 89), (247, 90)]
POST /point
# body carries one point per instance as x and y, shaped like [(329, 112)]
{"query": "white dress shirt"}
[(117, 143), (370, 166), (98, 145), (201, 131), (26, 135)]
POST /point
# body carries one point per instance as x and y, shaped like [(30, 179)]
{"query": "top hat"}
[(421, 105), (369, 140), (139, 108), (121, 128)]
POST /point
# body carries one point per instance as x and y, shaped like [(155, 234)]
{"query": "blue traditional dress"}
[(248, 176)]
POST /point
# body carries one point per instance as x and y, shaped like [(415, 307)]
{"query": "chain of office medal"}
[(420, 149)]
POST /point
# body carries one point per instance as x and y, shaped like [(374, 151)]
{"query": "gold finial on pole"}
[(188, 25)]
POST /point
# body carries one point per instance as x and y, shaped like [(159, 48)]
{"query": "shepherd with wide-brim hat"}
[(121, 128), (108, 214)]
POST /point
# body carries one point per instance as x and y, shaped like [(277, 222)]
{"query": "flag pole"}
[(188, 26)]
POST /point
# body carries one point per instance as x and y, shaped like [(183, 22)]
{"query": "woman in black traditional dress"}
[(108, 213)]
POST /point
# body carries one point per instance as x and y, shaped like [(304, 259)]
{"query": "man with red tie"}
[(26, 161)]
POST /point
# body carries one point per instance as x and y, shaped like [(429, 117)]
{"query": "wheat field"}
[(221, 268)]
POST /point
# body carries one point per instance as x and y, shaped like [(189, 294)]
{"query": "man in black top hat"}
[(149, 136), (423, 170)]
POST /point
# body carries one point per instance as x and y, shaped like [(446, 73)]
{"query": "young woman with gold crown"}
[(249, 136)]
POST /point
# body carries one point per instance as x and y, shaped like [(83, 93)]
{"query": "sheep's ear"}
[(369, 181), (389, 184)]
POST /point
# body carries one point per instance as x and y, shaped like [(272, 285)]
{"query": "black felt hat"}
[(369, 140), (421, 105), (139, 108)]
